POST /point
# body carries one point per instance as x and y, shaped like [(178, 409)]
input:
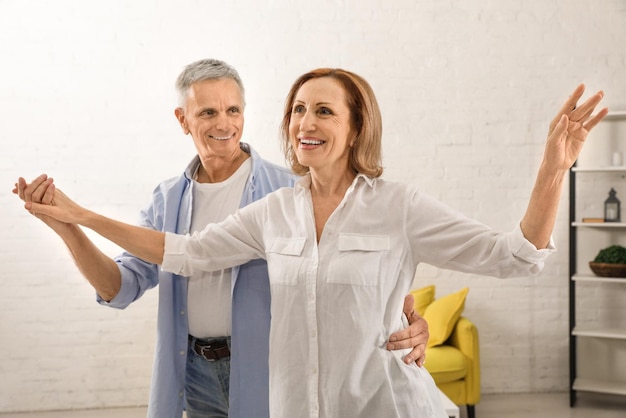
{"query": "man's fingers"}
[(420, 361), (417, 354), (25, 190), (406, 339), (408, 308), (396, 337), (409, 342), (48, 196), (21, 185), (38, 208), (40, 190)]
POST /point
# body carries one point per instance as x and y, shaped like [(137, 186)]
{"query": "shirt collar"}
[(192, 167), (368, 180), (304, 183)]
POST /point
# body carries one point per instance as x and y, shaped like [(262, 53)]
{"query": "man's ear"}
[(180, 116)]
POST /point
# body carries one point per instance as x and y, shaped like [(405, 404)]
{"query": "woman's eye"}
[(325, 111), (298, 109)]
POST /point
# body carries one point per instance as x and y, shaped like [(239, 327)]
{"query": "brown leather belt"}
[(211, 350)]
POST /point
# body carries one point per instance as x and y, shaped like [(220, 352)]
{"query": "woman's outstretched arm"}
[(144, 243)]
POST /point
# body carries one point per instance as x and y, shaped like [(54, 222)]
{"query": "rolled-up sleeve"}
[(523, 249), (174, 254)]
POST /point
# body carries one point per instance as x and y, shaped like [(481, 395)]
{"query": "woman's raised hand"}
[(570, 127)]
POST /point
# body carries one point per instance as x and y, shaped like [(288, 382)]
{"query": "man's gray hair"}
[(206, 69)]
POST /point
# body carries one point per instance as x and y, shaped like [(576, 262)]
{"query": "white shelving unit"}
[(612, 130), (599, 386)]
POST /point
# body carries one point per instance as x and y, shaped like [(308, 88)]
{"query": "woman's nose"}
[(307, 122)]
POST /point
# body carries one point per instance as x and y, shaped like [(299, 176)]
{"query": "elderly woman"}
[(342, 247)]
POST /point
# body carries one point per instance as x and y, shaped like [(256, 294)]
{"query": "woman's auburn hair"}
[(366, 151)]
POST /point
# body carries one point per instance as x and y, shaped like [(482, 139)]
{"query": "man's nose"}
[(221, 121)]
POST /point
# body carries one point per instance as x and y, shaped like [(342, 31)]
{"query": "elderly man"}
[(197, 316)]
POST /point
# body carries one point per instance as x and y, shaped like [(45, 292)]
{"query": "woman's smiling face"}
[(320, 126)]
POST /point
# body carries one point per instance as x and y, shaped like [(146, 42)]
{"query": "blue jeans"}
[(206, 386)]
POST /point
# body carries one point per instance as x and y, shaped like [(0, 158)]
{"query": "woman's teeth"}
[(311, 142)]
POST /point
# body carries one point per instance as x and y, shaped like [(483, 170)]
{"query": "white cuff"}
[(525, 250), (174, 253)]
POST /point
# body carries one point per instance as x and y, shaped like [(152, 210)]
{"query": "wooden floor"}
[(553, 405)]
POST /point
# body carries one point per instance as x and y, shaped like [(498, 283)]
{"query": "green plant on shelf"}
[(615, 254)]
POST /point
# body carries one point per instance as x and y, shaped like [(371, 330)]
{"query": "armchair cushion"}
[(446, 363), (422, 298), (442, 315)]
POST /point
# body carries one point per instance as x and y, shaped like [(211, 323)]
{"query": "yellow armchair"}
[(455, 365)]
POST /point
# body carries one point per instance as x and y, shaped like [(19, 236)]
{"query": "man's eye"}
[(234, 110), (208, 113)]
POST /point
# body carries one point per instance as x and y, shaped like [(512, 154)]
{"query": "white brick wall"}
[(467, 89)]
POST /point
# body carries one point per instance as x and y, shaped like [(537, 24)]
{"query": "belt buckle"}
[(208, 352)]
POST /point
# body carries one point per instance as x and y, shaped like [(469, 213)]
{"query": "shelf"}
[(600, 169), (598, 279), (584, 236), (600, 224), (620, 114), (600, 386), (612, 333)]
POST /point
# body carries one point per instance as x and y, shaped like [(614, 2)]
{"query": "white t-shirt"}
[(209, 295)]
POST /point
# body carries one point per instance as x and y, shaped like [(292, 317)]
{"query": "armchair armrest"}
[(465, 338)]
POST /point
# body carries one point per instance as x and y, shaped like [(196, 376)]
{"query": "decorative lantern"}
[(612, 209)]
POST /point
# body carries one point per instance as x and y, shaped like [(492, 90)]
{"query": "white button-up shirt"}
[(335, 303)]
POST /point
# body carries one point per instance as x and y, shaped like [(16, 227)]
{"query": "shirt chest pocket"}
[(284, 260), (358, 259)]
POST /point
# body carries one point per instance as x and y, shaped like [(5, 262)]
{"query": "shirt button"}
[(182, 353), (180, 394), (182, 312)]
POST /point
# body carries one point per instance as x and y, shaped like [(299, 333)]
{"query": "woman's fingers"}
[(569, 106)]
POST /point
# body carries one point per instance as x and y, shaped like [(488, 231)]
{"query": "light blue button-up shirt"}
[(171, 211)]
